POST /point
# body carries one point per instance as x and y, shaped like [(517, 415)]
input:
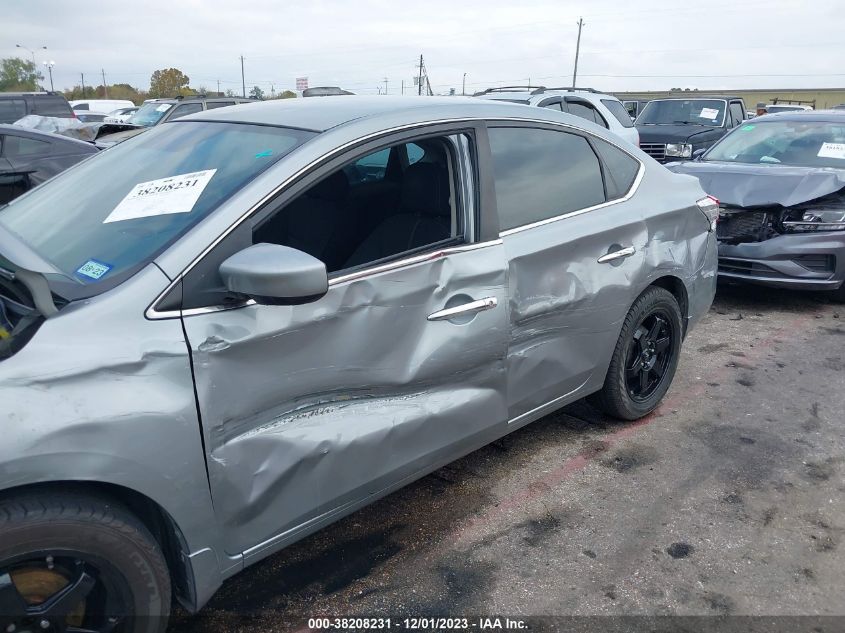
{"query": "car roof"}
[(9, 95), (322, 114), (827, 116), (697, 97)]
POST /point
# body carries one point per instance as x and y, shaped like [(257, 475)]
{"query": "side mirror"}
[(275, 275), (698, 153)]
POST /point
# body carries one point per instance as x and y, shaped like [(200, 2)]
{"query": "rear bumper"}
[(802, 262)]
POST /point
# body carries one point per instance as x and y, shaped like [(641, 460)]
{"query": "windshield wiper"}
[(683, 122)]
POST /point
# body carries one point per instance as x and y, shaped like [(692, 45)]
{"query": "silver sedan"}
[(240, 326)]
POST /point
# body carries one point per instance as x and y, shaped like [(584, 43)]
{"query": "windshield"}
[(683, 112), (149, 114), (104, 219), (805, 144)]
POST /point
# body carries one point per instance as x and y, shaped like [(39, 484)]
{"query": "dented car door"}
[(311, 410)]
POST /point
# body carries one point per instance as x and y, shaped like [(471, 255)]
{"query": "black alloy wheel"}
[(79, 562), (62, 592), (649, 355), (645, 357)]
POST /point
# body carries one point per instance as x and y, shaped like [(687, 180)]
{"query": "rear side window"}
[(620, 169), (540, 174), (618, 111), (586, 112), (11, 110), (218, 104), (52, 106), (19, 146), (185, 109)]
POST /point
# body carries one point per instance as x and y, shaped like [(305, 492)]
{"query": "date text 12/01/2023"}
[(415, 624)]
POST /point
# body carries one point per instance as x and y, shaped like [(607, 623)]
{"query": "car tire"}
[(626, 394), (52, 544)]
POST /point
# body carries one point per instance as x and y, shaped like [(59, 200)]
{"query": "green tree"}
[(256, 93), (287, 94), (230, 92), (18, 75), (169, 82)]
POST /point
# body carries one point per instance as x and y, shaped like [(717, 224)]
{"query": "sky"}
[(369, 46)]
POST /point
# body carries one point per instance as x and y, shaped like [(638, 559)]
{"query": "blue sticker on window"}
[(264, 154), (93, 269)]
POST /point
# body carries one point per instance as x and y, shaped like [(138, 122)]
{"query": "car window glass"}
[(81, 106), (218, 104), (69, 222), (553, 106), (620, 169), (370, 168), (540, 174), (736, 111), (19, 146), (415, 153), (349, 227), (11, 110), (185, 109), (618, 111), (586, 111), (52, 106)]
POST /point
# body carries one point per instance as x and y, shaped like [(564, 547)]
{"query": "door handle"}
[(621, 253), (466, 308)]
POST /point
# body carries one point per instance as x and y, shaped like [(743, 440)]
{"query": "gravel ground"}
[(727, 501)]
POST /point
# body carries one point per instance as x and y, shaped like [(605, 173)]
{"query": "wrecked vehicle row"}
[(780, 182), (203, 360)]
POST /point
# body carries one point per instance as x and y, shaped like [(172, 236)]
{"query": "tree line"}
[(19, 75)]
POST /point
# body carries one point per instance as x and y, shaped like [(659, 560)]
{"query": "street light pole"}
[(464, 85), (49, 66)]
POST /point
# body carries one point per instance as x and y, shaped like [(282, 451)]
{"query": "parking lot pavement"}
[(728, 500)]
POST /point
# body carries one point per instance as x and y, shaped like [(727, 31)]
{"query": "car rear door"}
[(311, 410), (574, 246)]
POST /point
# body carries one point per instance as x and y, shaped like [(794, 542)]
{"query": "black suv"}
[(16, 105), (679, 128)]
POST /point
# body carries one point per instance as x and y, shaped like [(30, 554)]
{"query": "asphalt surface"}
[(727, 501)]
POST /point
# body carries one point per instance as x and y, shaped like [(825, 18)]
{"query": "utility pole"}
[(464, 85), (105, 87), (272, 90), (385, 85), (243, 81), (419, 83), (577, 50), (403, 86), (218, 87), (82, 75)]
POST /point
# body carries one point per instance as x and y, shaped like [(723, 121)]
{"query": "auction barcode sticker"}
[(174, 194), (832, 150)]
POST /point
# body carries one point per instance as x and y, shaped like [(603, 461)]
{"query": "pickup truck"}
[(677, 129)]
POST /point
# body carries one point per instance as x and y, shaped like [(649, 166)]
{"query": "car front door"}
[(574, 248), (311, 410)]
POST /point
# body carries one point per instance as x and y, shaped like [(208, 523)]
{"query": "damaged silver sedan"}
[(236, 328), (780, 182)]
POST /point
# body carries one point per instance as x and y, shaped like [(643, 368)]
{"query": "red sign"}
[(302, 83)]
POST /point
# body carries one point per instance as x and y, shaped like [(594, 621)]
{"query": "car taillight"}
[(710, 208)]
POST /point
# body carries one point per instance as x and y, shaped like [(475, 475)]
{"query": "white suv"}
[(603, 109)]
